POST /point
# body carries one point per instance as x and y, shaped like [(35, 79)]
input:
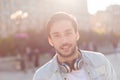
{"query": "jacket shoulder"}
[(96, 58), (99, 59), (43, 73)]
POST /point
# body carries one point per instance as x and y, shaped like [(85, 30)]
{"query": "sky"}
[(95, 5)]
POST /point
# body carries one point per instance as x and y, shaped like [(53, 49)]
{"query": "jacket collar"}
[(86, 60)]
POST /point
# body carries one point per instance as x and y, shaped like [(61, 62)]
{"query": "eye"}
[(56, 35), (68, 33)]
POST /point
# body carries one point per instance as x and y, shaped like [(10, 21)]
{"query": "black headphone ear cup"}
[(77, 64), (65, 68)]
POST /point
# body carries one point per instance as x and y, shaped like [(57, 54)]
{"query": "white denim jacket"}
[(95, 64)]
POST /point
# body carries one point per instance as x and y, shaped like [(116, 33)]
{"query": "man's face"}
[(63, 38)]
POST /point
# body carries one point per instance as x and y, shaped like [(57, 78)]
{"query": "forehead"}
[(61, 26)]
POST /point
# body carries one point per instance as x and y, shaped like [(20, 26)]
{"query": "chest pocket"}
[(56, 76), (100, 71)]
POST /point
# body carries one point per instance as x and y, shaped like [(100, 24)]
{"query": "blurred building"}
[(98, 22), (114, 17), (107, 21), (39, 11)]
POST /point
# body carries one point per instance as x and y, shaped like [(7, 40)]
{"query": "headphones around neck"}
[(66, 68)]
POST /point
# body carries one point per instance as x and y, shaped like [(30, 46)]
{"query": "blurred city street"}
[(12, 74)]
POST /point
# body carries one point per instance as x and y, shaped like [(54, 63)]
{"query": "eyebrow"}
[(68, 30)]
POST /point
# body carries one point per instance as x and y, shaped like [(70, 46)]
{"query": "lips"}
[(66, 47)]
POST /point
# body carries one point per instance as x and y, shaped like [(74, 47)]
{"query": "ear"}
[(50, 41), (77, 35)]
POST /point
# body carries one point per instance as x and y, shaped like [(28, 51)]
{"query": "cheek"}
[(56, 43), (73, 39)]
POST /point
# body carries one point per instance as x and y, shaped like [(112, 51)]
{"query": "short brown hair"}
[(58, 17)]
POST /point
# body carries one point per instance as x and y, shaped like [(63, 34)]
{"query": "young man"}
[(70, 63)]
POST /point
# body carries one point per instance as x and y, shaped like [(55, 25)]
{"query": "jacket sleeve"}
[(36, 76), (42, 74), (111, 74)]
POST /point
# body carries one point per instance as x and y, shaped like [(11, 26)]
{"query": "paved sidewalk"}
[(19, 75), (15, 75)]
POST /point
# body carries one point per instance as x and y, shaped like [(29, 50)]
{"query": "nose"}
[(64, 40)]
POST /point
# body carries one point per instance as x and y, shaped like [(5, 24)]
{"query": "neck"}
[(70, 58)]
